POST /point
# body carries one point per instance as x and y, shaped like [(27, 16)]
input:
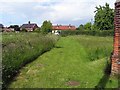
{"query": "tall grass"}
[(95, 47), (20, 49), (68, 62)]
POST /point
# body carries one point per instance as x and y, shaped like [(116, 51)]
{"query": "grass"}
[(68, 62), (18, 49)]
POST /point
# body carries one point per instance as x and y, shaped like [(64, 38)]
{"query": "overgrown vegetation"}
[(70, 62), (20, 49), (96, 48), (46, 27)]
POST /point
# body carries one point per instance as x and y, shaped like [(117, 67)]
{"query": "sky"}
[(64, 12)]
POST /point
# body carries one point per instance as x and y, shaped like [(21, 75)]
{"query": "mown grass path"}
[(66, 63)]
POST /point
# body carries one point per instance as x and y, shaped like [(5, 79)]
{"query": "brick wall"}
[(116, 49)]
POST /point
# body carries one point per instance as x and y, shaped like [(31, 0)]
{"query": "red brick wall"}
[(116, 49)]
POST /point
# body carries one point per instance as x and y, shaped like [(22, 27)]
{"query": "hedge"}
[(88, 32)]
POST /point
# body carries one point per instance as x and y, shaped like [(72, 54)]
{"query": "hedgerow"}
[(88, 32)]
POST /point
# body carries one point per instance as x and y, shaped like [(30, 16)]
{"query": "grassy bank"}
[(69, 65), (18, 49)]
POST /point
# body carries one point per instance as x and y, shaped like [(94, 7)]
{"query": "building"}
[(58, 28), (115, 58), (63, 27), (7, 29), (14, 27), (29, 27)]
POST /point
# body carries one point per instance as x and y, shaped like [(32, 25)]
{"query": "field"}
[(75, 62), (18, 49)]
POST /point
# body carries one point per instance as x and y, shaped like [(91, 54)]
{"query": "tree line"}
[(103, 20)]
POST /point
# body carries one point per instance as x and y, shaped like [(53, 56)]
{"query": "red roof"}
[(63, 27)]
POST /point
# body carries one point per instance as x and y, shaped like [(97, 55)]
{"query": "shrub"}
[(88, 32), (20, 49)]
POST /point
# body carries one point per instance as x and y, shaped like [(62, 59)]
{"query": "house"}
[(58, 28), (1, 27), (15, 28), (29, 26), (7, 29)]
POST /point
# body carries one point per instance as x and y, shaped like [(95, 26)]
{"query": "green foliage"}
[(20, 49), (96, 47), (81, 27), (104, 17), (38, 30), (46, 27), (88, 26), (88, 32)]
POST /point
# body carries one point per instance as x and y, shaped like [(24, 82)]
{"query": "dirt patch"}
[(72, 83)]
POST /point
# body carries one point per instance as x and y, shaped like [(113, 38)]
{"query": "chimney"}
[(115, 59), (28, 22)]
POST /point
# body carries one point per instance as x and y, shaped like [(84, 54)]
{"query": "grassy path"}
[(59, 68)]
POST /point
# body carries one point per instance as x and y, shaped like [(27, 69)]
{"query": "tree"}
[(81, 27), (88, 26), (46, 27), (104, 17), (16, 27)]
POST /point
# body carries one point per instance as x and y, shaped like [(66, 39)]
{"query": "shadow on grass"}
[(103, 81)]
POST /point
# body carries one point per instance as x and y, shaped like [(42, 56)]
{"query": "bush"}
[(20, 49), (88, 32)]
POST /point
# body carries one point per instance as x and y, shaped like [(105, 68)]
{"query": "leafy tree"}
[(81, 27), (16, 27), (88, 26), (46, 27), (104, 17)]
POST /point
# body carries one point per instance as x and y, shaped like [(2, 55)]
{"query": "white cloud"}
[(64, 11)]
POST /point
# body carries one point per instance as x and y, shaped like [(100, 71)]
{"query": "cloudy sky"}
[(65, 12)]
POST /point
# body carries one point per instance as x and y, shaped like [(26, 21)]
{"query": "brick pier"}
[(115, 59)]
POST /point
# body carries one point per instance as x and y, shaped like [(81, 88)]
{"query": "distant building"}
[(29, 26), (7, 29), (1, 27), (14, 27), (58, 28)]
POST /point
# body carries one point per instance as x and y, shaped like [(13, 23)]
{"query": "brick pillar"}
[(115, 60)]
